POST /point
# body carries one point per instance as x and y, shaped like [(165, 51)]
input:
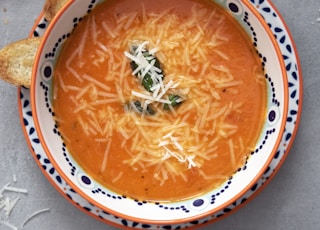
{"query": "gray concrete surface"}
[(290, 201)]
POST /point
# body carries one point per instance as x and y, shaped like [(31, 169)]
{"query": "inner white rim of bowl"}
[(139, 209)]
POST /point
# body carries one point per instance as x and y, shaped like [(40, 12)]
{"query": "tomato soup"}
[(159, 100)]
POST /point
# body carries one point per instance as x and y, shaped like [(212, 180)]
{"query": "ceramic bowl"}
[(172, 214)]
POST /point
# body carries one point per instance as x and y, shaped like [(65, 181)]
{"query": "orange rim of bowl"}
[(148, 221)]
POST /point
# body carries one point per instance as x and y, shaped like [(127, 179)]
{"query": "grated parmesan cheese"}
[(8, 188), (7, 204), (6, 223), (105, 156), (170, 144), (72, 70), (34, 215)]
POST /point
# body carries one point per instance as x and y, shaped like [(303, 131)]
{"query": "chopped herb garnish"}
[(148, 83), (175, 101), (146, 67), (138, 108)]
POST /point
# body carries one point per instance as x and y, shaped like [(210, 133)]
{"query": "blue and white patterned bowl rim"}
[(291, 62)]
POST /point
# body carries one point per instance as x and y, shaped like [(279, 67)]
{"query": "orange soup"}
[(159, 100)]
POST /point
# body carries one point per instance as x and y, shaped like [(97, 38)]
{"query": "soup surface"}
[(159, 100)]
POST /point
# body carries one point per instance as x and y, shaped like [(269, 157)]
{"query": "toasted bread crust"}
[(51, 8), (16, 61), (17, 58)]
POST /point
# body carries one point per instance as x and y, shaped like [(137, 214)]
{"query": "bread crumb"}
[(317, 20), (6, 21)]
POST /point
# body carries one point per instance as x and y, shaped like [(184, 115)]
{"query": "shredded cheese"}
[(170, 144), (117, 177), (149, 97), (34, 215), (96, 82), (72, 70), (14, 178), (105, 156), (7, 204), (6, 223), (8, 188), (108, 30)]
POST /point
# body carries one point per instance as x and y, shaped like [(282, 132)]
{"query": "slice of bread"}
[(16, 61), (51, 8)]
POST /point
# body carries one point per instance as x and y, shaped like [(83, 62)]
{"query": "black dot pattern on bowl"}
[(65, 154), (233, 7), (272, 116), (91, 6), (177, 208), (198, 202), (255, 39), (109, 195), (46, 93), (47, 72), (140, 203), (86, 180), (52, 54), (264, 142), (273, 91), (214, 196), (76, 21)]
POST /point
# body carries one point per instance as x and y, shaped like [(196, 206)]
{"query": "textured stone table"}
[(290, 201)]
